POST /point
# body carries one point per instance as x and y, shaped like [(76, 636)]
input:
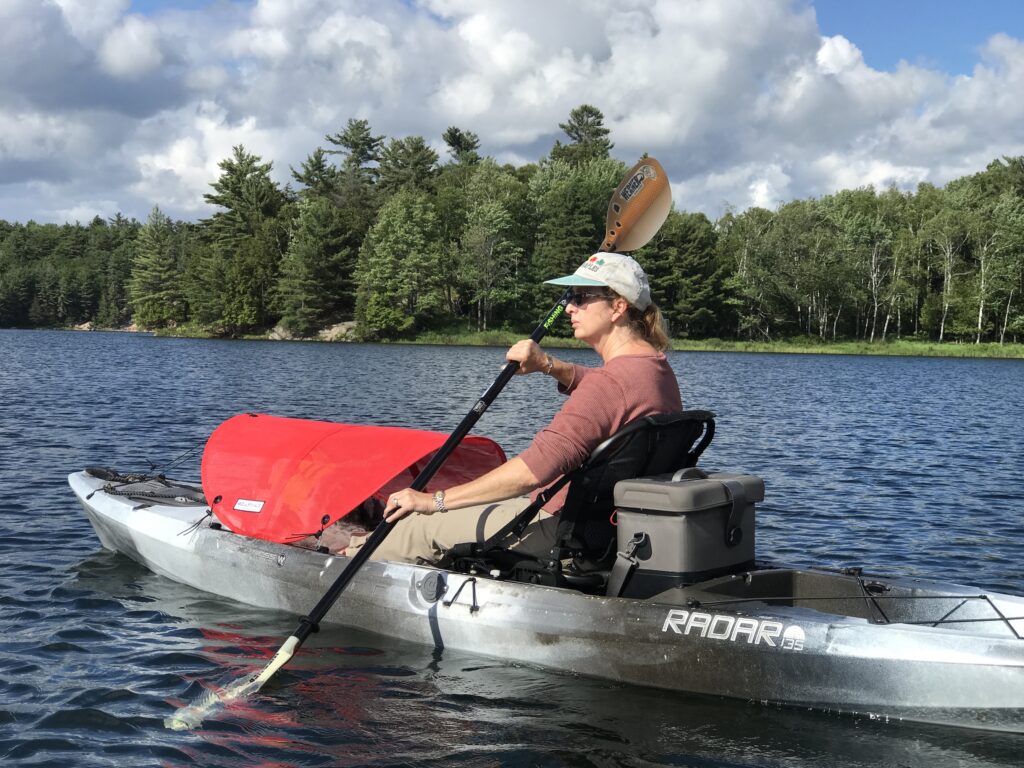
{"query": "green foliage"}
[(360, 148), (317, 175), (398, 267), (315, 287), (588, 134), (155, 290), (490, 259), (248, 196), (686, 277), (744, 248), (452, 201), (407, 163), (54, 275), (249, 277), (248, 239), (571, 203), (203, 282), (384, 233), (462, 145)]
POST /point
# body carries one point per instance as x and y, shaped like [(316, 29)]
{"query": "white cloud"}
[(177, 172), (260, 42), (844, 173), (89, 20), (466, 96), (360, 49), (207, 79), (495, 48), (743, 101), (838, 55), (765, 185), (85, 210), (36, 135), (131, 49)]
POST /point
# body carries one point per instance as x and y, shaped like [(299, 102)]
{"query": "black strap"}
[(737, 495), (517, 525), (625, 564)]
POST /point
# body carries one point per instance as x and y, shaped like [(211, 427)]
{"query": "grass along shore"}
[(800, 345), (901, 347)]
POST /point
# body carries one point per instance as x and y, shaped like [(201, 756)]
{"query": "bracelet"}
[(551, 364), (439, 501)]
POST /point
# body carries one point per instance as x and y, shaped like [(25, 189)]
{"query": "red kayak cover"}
[(282, 479)]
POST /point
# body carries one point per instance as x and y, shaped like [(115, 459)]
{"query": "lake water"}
[(909, 466)]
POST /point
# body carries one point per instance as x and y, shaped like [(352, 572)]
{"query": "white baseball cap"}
[(617, 271)]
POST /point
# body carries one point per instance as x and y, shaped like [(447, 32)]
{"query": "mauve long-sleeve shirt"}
[(601, 402)]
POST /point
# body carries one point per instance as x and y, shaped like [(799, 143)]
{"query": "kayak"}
[(823, 639)]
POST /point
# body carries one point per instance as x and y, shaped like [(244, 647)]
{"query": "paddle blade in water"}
[(191, 716), (638, 208)]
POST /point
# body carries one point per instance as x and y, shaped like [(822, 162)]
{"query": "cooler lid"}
[(663, 494)]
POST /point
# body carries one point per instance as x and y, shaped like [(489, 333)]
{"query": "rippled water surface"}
[(902, 465)]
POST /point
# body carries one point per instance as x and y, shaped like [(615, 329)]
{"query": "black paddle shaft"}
[(311, 622)]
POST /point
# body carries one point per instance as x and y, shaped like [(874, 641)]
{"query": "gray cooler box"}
[(682, 528)]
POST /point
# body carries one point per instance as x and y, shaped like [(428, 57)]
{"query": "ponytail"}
[(649, 325)]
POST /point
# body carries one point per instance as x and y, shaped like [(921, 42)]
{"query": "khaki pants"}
[(420, 538)]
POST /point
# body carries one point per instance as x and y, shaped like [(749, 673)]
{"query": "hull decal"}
[(735, 629)]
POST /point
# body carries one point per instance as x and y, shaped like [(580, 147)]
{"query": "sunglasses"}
[(580, 298)]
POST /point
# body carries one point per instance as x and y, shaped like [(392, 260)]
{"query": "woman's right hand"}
[(529, 355)]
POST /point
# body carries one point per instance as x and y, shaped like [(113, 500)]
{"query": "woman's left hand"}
[(407, 501)]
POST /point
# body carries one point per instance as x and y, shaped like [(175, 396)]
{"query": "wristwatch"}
[(439, 501)]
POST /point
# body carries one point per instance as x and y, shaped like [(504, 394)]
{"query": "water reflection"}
[(350, 698)]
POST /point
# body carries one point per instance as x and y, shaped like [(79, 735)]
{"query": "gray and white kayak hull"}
[(968, 672)]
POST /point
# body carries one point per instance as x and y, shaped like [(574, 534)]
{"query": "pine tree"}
[(317, 175), (462, 145), (248, 238), (315, 285), (359, 146), (156, 295), (248, 195), (588, 134), (114, 310), (686, 278), (205, 282), (407, 163)]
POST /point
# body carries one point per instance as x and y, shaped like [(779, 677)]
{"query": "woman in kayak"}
[(611, 311)]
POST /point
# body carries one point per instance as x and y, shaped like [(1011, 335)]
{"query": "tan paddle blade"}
[(638, 208), (192, 716)]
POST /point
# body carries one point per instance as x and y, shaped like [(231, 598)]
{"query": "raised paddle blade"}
[(638, 208), (284, 479)]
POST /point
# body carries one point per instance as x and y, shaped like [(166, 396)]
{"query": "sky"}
[(111, 106)]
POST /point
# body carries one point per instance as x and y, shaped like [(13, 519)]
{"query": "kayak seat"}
[(650, 445), (585, 545)]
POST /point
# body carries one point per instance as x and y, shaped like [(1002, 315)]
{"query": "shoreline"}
[(504, 338)]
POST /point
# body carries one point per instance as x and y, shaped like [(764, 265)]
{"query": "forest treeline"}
[(392, 236)]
